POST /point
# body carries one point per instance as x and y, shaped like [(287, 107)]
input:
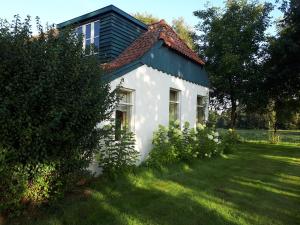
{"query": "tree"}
[(146, 18), (281, 84), (52, 96), (231, 41), (184, 31), (179, 25)]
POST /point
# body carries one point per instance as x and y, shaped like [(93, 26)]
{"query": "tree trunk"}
[(233, 114)]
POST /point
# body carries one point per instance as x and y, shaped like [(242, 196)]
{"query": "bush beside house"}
[(52, 97)]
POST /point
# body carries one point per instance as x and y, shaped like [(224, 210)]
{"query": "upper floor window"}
[(174, 105), (90, 33), (201, 105)]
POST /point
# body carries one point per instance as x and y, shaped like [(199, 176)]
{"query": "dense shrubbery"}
[(52, 97), (229, 141), (116, 152), (171, 144)]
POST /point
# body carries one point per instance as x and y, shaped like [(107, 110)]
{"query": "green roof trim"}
[(94, 14)]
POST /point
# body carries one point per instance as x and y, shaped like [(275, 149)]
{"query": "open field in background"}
[(257, 185), (286, 136)]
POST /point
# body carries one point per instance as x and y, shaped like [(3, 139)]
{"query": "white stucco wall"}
[(151, 102)]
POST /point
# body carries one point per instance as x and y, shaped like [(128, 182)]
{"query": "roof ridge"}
[(156, 31)]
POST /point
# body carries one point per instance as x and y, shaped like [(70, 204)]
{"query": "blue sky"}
[(56, 11)]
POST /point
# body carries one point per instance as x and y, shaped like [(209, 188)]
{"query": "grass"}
[(258, 184), (286, 136)]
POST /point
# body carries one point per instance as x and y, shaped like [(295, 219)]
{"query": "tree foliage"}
[(52, 98), (231, 41), (281, 84), (146, 18), (184, 31)]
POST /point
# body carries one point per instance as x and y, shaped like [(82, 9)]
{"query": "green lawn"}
[(286, 136), (259, 184)]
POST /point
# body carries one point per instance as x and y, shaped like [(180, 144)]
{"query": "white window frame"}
[(131, 93), (202, 106), (178, 103), (92, 37)]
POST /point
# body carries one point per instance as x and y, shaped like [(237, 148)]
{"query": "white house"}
[(162, 78)]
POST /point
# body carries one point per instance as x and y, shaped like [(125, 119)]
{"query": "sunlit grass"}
[(258, 184), (252, 135)]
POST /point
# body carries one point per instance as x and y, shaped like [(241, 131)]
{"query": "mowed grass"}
[(286, 136), (258, 184)]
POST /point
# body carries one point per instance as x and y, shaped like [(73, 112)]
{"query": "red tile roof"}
[(156, 31)]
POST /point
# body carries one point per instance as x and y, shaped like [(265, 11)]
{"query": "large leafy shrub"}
[(172, 144), (229, 141), (52, 97), (117, 152)]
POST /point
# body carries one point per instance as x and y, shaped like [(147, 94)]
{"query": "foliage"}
[(171, 144), (163, 151), (207, 142), (232, 41), (116, 151), (184, 32), (12, 183), (281, 83), (52, 97), (229, 141), (146, 18)]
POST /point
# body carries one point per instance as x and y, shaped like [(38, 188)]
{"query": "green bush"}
[(163, 151), (229, 141), (116, 152), (52, 96), (13, 183), (171, 144)]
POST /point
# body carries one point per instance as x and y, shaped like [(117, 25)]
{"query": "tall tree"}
[(281, 85), (231, 40), (184, 31)]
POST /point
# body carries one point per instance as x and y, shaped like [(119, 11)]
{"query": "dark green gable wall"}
[(117, 30), (116, 34), (168, 61)]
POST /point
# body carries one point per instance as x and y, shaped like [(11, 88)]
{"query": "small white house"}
[(162, 79)]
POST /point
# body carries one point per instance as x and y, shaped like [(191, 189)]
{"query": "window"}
[(174, 105), (124, 110), (90, 32), (201, 105)]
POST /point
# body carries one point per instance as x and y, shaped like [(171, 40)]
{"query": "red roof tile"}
[(156, 31)]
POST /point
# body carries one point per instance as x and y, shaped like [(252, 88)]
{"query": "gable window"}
[(124, 110), (174, 108), (201, 105), (90, 32)]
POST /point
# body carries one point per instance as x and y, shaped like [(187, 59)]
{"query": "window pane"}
[(173, 111), (125, 97), (88, 31), (96, 43), (200, 114), (96, 28), (173, 96), (200, 100)]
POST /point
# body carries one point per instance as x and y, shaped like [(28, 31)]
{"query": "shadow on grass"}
[(244, 188)]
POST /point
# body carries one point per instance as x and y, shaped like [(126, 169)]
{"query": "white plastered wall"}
[(151, 102)]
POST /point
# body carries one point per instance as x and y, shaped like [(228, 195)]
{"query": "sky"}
[(57, 11)]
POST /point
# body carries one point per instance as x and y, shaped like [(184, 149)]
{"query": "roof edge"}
[(99, 12)]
